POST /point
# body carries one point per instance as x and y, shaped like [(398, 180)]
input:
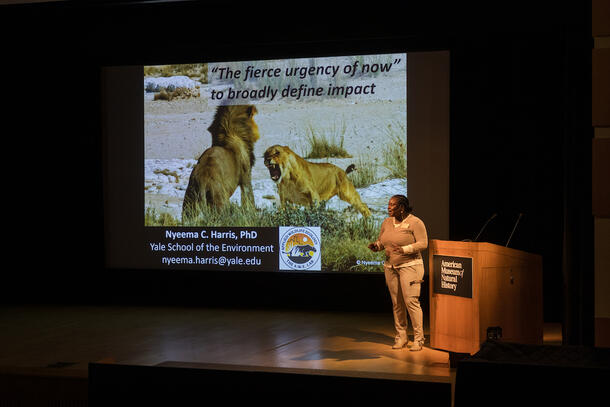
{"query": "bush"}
[(344, 235)]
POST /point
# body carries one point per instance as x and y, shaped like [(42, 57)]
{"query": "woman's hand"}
[(395, 249)]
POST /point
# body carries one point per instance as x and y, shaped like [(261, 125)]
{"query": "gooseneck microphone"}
[(482, 229), (514, 227), (484, 226)]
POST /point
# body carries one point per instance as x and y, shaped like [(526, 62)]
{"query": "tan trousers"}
[(405, 298)]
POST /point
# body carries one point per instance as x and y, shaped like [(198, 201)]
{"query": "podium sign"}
[(452, 275)]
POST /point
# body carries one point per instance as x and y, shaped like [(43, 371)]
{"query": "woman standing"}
[(404, 237)]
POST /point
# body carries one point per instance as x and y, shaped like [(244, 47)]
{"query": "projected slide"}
[(273, 164)]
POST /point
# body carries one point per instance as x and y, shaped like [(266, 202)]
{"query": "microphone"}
[(515, 227), (484, 226), (482, 229)]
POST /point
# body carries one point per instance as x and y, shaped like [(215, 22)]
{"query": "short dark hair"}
[(404, 202)]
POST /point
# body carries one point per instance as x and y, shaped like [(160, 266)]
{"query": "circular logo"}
[(300, 248)]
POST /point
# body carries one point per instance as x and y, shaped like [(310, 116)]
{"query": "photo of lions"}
[(289, 159), (225, 165), (305, 183)]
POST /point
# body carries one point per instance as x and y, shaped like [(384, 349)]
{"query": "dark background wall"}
[(520, 138)]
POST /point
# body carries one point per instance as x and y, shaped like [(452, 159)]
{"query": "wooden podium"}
[(475, 286)]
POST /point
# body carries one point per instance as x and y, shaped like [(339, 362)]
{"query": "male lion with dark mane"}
[(304, 183), (227, 164)]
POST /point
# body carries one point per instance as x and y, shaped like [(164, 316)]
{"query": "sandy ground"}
[(177, 130)]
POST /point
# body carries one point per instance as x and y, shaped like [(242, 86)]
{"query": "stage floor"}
[(71, 337), (63, 340)]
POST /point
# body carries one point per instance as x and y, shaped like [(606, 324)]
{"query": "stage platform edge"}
[(176, 382)]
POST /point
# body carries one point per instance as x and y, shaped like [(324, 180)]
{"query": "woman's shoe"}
[(417, 346), (399, 343)]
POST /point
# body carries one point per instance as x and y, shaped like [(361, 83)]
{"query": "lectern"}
[(480, 287)]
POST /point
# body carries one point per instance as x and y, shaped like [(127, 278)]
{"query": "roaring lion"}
[(303, 182), (227, 164)]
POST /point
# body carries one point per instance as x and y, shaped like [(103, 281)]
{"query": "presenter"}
[(403, 236)]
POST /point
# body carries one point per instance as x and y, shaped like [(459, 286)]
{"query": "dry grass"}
[(326, 143), (194, 71)]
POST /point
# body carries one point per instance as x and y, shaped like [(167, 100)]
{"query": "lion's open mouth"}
[(274, 171)]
